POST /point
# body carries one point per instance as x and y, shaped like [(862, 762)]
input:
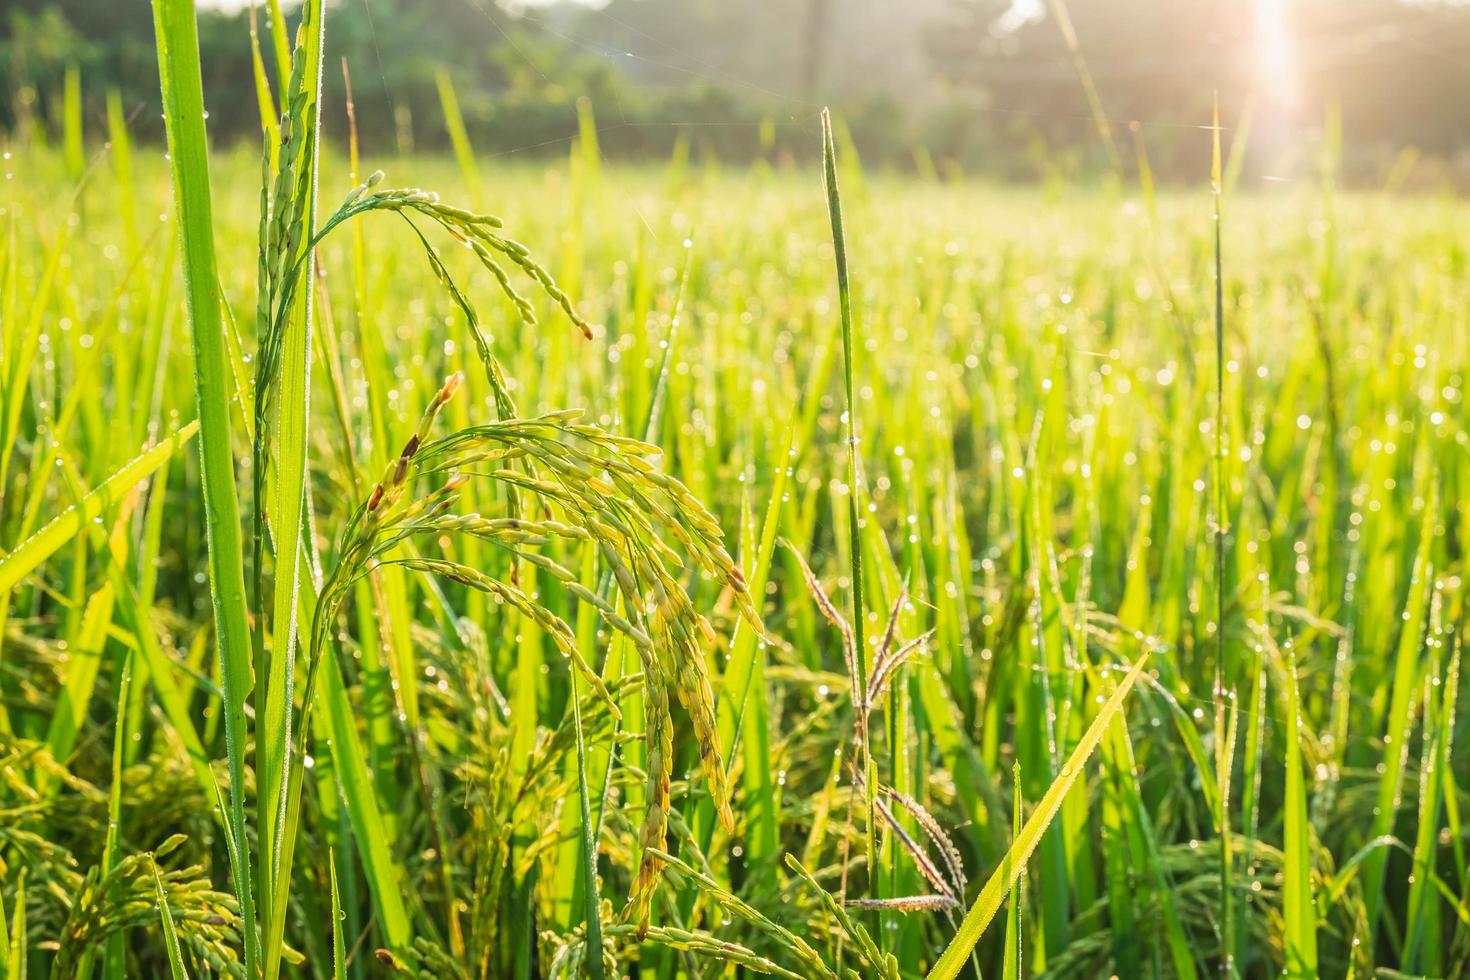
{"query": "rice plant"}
[(785, 573)]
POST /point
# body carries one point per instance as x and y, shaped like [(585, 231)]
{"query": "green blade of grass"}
[(1011, 963), (1298, 906), (745, 671), (592, 917), (71, 114), (130, 612), (81, 678), (339, 943), (1014, 864), (357, 790), (1421, 933), (115, 963), (1094, 102), (1239, 140), (5, 935), (269, 115), (90, 642), (854, 521), (122, 166), (459, 137), (1405, 685), (1138, 828), (176, 967), (1253, 757), (183, 101), (21, 341), (280, 41), (1120, 849), (15, 960), (1042, 639), (1224, 749)]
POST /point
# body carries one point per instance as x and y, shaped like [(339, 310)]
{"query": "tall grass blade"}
[(122, 166), (176, 967), (71, 114), (1298, 904), (348, 762), (1224, 748), (183, 101), (339, 942), (18, 943), (1013, 865), (1403, 697), (115, 962), (459, 137), (858, 616), (1421, 932), (31, 553), (265, 102), (5, 937), (1089, 87), (592, 916), (1011, 964)]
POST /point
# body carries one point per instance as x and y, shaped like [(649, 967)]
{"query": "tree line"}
[(952, 86)]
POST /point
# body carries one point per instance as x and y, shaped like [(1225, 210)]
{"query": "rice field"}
[(688, 582)]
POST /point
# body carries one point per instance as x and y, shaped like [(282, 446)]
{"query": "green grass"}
[(184, 116), (498, 684)]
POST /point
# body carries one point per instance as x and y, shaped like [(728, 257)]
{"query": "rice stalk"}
[(858, 647)]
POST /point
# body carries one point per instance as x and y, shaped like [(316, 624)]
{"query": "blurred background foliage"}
[(959, 86)]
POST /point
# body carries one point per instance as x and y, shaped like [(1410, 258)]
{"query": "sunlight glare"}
[(1276, 63)]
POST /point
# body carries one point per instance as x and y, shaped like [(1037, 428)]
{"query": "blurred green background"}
[(957, 86)]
